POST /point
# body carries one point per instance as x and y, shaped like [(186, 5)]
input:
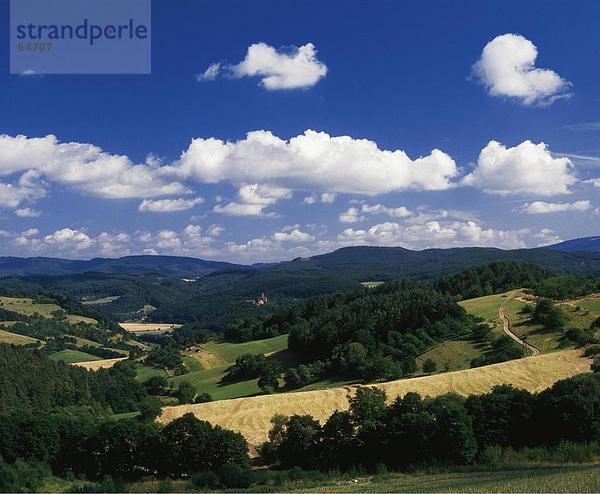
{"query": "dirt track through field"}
[(533, 350), (252, 416)]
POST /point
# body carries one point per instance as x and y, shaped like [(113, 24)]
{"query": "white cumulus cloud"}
[(541, 207), (325, 198), (315, 161), (435, 234), (401, 212), (69, 240), (295, 235), (84, 167), (168, 205), (253, 199), (296, 68), (351, 215), (524, 169), (507, 68)]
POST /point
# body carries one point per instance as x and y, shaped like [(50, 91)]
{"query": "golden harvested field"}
[(251, 416), (143, 327), (15, 339), (99, 364)]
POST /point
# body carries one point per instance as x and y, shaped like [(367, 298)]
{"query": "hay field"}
[(251, 416), (99, 364), (143, 327), (16, 339), (101, 301)]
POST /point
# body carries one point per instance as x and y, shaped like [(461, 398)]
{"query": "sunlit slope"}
[(251, 416)]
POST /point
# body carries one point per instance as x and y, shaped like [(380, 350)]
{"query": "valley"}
[(490, 329)]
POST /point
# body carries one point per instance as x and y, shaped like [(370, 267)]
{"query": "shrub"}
[(429, 366), (592, 350), (235, 476), (186, 392), (156, 385), (150, 408), (203, 398), (205, 479)]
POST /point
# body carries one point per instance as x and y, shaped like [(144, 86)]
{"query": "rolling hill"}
[(168, 265), (252, 416), (157, 281)]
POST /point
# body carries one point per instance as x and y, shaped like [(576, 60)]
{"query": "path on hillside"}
[(506, 326)]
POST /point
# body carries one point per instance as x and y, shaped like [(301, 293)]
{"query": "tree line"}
[(78, 441), (449, 429)]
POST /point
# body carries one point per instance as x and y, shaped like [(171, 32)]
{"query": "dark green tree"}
[(429, 366), (186, 392)]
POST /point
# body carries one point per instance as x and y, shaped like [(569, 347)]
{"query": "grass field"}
[(213, 360), (26, 307), (209, 381), (145, 372), (15, 339), (535, 334), (230, 351), (521, 324), (582, 312), (73, 356), (487, 308), (251, 416), (584, 478), (579, 478), (453, 355)]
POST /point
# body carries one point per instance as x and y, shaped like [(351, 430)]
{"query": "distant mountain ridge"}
[(167, 265), (587, 244), (578, 255), (219, 295)]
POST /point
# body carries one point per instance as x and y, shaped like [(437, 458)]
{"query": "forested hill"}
[(432, 263), (219, 297), (167, 265), (588, 244), (495, 277), (574, 257), (368, 333)]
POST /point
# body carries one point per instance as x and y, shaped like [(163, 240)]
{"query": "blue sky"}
[(345, 103)]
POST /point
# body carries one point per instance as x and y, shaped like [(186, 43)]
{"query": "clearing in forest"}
[(28, 307)]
